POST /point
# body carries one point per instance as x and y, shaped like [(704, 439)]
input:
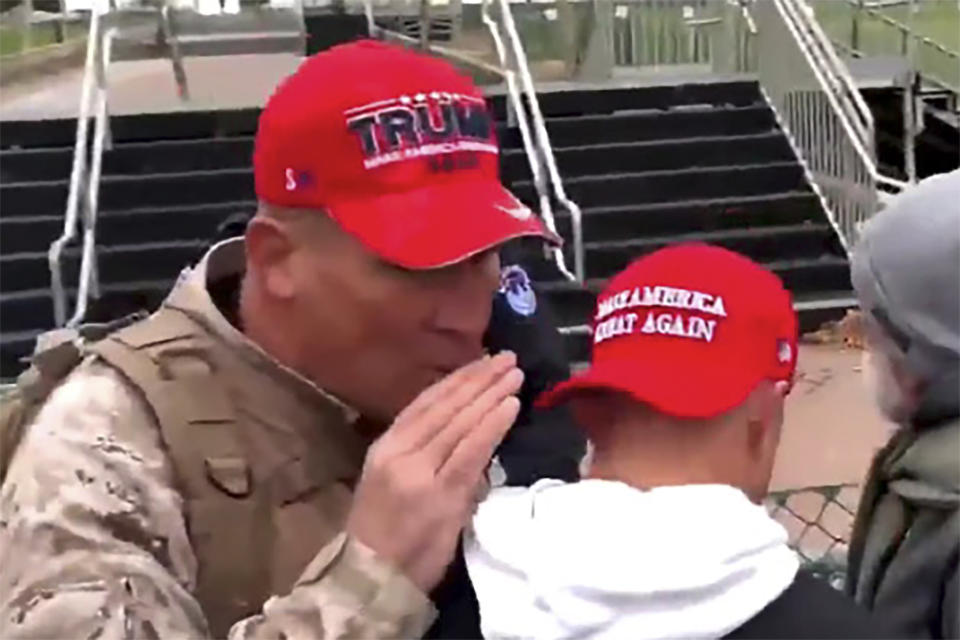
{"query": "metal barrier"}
[(525, 106), (873, 32), (821, 111), (660, 32), (746, 38), (587, 40), (665, 32), (24, 24), (819, 522)]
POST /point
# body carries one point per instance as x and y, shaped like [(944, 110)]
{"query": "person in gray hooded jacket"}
[(906, 272)]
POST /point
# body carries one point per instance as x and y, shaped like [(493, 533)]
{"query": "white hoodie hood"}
[(601, 559)]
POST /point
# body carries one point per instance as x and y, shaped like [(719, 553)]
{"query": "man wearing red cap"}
[(290, 446), (694, 352)]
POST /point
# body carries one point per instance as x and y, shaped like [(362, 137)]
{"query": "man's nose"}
[(465, 304)]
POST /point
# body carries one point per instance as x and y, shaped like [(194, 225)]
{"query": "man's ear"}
[(269, 257), (765, 416)]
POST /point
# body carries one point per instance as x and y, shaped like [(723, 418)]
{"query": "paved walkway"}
[(147, 86), (831, 432), (832, 427), (239, 81)]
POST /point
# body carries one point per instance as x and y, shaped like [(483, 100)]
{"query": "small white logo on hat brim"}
[(520, 212)]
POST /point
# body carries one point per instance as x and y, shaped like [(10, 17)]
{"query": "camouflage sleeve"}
[(345, 592), (93, 541)]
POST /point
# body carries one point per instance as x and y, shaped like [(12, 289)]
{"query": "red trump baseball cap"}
[(397, 147), (689, 330)]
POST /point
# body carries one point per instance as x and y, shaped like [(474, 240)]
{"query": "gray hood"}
[(906, 272)]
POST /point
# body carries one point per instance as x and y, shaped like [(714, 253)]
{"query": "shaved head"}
[(636, 444)]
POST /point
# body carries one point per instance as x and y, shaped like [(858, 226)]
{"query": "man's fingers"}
[(419, 429), (445, 440), (438, 389), (472, 454)]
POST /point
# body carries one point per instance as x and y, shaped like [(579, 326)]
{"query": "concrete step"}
[(764, 244), (660, 124), (661, 155), (671, 185), (690, 216), (190, 222), (803, 277)]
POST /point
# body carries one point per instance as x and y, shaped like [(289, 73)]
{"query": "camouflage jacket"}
[(98, 539)]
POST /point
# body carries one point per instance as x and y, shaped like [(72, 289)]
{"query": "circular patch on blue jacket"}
[(516, 287)]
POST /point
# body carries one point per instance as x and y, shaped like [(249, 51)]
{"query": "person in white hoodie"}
[(694, 351)]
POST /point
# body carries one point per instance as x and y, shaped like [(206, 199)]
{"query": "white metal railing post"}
[(78, 179), (424, 19), (372, 29), (909, 107), (27, 38), (516, 108), (302, 23), (88, 262)]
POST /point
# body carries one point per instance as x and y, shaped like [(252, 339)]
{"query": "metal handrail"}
[(523, 125), (541, 143), (546, 148), (84, 189), (848, 98), (840, 69), (826, 73), (909, 33), (837, 73), (89, 280), (817, 109), (950, 53), (747, 16), (78, 178)]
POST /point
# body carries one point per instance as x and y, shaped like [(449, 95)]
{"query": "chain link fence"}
[(819, 522)]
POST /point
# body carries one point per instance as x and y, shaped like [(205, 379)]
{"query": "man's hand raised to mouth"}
[(421, 477)]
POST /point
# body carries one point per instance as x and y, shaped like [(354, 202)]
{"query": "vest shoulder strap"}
[(172, 361), (58, 352), (169, 359)]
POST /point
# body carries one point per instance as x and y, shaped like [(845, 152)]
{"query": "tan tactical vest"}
[(265, 462)]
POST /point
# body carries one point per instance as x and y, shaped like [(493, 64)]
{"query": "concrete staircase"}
[(649, 166)]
